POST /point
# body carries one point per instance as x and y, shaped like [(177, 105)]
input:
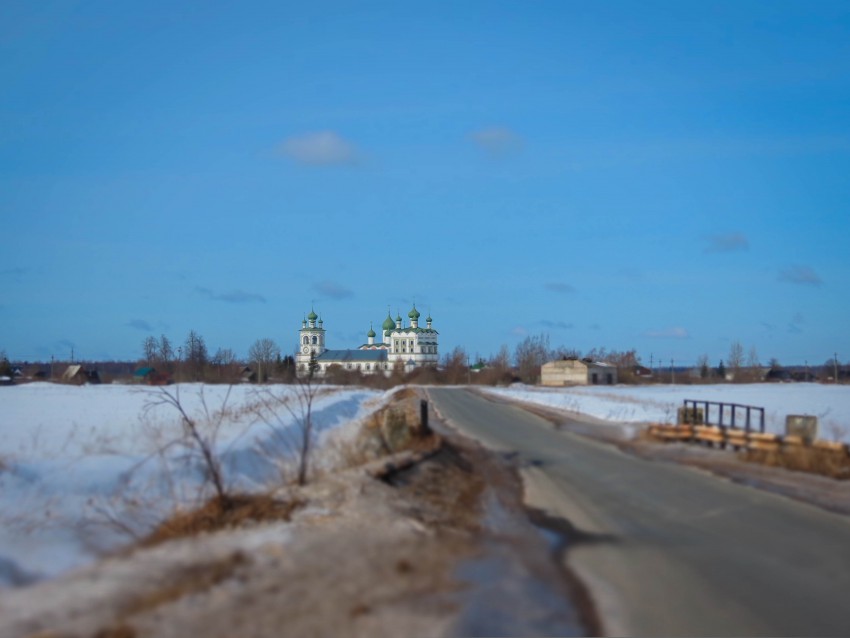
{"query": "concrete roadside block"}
[(709, 434), (764, 442), (832, 446), (736, 438), (793, 442), (666, 432)]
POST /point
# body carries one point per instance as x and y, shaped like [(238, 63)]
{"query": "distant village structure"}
[(405, 347), (573, 371)]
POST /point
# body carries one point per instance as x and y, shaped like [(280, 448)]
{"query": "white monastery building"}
[(407, 347)]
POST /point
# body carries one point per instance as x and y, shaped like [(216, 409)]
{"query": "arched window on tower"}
[(315, 340), (306, 340)]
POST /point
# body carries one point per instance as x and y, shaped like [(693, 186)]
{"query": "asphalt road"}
[(669, 550)]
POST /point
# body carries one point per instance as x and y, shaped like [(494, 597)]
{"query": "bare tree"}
[(563, 352), (166, 352), (285, 368), (735, 360), (5, 369), (224, 360), (199, 439), (195, 355), (753, 358), (530, 354), (224, 357), (297, 437), (703, 366), (263, 353), (753, 365), (597, 354), (501, 363), (150, 347), (455, 366)]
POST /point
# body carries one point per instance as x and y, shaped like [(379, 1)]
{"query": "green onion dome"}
[(414, 313), (388, 324)]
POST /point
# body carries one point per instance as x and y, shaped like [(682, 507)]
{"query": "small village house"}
[(78, 375)]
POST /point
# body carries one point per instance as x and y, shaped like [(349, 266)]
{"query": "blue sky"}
[(665, 176)]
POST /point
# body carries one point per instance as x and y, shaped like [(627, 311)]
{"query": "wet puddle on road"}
[(515, 586)]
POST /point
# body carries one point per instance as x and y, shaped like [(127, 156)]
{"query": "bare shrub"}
[(263, 353), (836, 432), (805, 459), (217, 514), (298, 437), (163, 500), (530, 354), (199, 440)]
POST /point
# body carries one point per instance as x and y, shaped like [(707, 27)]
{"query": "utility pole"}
[(835, 365), (672, 373), (651, 368)]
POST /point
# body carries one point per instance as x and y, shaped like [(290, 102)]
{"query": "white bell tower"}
[(311, 341)]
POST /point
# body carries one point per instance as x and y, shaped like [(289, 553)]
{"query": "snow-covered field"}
[(78, 463), (635, 405)]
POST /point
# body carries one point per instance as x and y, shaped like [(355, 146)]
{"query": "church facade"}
[(400, 346)]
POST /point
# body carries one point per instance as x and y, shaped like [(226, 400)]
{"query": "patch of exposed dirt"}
[(442, 547), (221, 513)]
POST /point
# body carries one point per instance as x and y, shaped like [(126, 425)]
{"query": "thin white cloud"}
[(234, 296), (795, 326), (332, 289), (14, 271), (497, 140), (802, 275), (322, 148), (557, 325), (139, 324), (727, 243), (240, 296), (560, 287), (676, 332)]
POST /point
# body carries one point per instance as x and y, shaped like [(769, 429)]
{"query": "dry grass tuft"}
[(195, 579), (804, 459), (118, 631), (221, 513), (404, 393), (198, 578)]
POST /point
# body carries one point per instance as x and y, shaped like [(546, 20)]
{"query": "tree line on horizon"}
[(191, 360)]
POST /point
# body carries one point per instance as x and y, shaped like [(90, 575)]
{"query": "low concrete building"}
[(577, 372)]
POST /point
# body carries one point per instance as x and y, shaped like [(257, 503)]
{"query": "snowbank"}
[(659, 403), (78, 464)]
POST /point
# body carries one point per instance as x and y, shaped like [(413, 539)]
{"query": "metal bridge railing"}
[(726, 415)]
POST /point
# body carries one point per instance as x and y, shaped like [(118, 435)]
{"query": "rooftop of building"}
[(353, 356)]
